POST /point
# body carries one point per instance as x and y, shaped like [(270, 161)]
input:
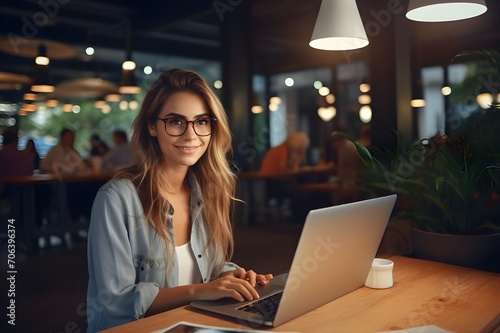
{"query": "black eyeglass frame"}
[(212, 121)]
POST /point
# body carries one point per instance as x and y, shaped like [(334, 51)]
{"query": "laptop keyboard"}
[(266, 306)]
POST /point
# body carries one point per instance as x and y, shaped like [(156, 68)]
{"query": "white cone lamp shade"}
[(338, 27), (444, 10)]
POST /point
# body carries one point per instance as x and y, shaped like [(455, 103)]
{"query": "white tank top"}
[(188, 268)]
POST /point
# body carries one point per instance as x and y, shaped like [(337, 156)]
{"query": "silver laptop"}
[(333, 257)]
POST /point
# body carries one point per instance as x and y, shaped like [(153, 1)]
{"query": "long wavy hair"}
[(212, 170)]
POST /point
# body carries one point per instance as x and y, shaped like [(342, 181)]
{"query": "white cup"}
[(380, 275)]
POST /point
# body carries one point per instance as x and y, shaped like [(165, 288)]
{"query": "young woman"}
[(160, 233)]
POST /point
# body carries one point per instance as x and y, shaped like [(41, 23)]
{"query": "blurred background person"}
[(63, 158), (347, 166), (120, 155), (14, 162), (97, 146), (287, 156), (31, 147), (280, 161)]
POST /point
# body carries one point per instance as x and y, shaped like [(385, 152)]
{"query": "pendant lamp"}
[(444, 10), (338, 27), (128, 84), (41, 80)]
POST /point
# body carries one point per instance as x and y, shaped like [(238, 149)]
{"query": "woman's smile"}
[(188, 149)]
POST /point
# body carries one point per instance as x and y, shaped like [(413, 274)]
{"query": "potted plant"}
[(449, 187)]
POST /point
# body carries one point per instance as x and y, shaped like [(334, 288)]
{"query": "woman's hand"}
[(238, 284), (252, 277)]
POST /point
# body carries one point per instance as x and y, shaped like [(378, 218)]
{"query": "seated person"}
[(14, 162), (63, 158), (287, 156), (31, 147), (284, 158), (121, 155), (161, 231), (98, 147), (347, 169)]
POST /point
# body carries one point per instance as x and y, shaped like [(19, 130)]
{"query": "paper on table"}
[(421, 329), (185, 326)]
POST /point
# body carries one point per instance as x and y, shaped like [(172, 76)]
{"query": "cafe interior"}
[(279, 67)]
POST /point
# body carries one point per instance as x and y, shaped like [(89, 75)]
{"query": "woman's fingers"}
[(244, 290), (240, 284), (263, 279), (239, 273), (251, 277), (235, 287)]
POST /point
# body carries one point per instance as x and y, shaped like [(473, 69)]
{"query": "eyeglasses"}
[(175, 126)]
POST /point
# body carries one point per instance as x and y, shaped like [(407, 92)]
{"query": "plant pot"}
[(475, 251)]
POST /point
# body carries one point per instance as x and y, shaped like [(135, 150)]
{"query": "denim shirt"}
[(126, 257)]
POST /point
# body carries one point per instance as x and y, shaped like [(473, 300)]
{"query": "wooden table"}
[(424, 293), (23, 202)]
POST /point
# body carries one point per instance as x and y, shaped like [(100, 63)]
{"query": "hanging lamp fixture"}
[(128, 84), (444, 10), (338, 27), (41, 79)]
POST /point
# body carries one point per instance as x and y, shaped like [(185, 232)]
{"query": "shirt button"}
[(199, 255), (204, 279)]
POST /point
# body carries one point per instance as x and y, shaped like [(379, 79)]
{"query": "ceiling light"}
[(42, 58), (484, 100), (364, 87), (41, 80), (446, 90), (128, 85), (364, 99), (330, 98), (100, 103), (417, 103), (67, 107), (29, 107), (112, 98), (52, 103), (323, 91), (218, 84), (29, 96), (365, 114), (105, 109), (133, 105), (444, 10), (256, 109), (89, 51), (128, 65), (338, 27), (328, 113), (275, 100), (123, 105), (273, 107)]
